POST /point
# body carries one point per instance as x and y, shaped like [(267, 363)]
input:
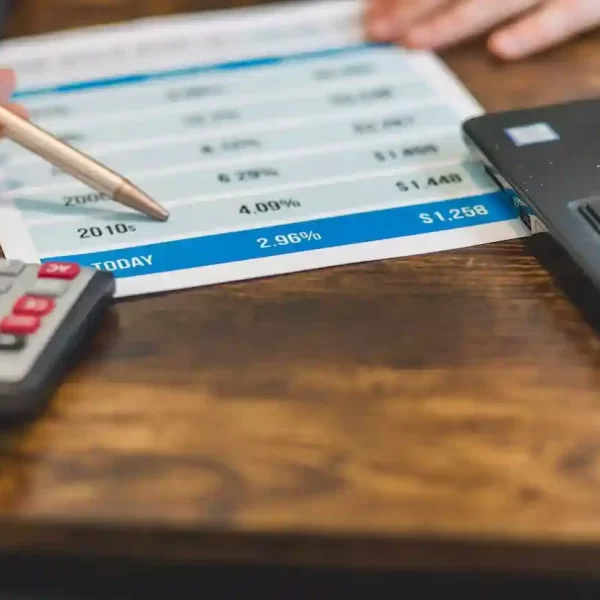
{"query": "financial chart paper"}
[(277, 137)]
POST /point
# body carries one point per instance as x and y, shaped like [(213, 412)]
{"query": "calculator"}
[(47, 312)]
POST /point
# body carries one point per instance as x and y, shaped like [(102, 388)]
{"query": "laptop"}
[(547, 160)]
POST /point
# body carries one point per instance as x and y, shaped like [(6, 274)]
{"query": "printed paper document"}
[(277, 137)]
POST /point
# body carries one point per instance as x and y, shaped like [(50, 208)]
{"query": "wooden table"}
[(438, 412)]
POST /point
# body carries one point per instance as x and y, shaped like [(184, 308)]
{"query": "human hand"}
[(8, 83), (522, 27)]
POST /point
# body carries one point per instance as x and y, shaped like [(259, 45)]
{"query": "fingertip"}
[(8, 82), (505, 46), (6, 73), (417, 38), (373, 7), (381, 29), (374, 20)]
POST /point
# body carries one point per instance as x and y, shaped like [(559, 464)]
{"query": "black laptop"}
[(548, 160)]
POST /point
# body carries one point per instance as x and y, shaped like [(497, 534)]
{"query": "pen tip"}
[(133, 197), (161, 213)]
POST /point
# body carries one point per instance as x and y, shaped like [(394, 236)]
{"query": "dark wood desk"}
[(439, 412)]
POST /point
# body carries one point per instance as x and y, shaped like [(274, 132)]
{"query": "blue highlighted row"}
[(216, 249), (266, 61)]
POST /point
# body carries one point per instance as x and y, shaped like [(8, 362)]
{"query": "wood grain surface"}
[(441, 411)]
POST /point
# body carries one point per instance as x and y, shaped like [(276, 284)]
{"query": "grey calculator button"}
[(11, 267), (5, 284), (48, 287), (11, 342)]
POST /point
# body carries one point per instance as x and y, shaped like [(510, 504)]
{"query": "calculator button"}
[(30, 305), (11, 342), (11, 267), (19, 324), (5, 284), (59, 270), (48, 287)]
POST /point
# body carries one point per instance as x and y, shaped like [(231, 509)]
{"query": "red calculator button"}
[(59, 270), (30, 305), (19, 324)]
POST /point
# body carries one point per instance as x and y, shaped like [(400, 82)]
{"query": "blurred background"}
[(28, 17)]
